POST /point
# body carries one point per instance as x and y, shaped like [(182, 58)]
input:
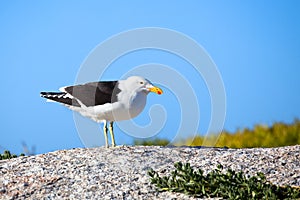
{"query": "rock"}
[(121, 172)]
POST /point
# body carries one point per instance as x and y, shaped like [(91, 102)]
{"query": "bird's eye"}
[(141, 82)]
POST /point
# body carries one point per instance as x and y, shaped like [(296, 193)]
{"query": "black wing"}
[(60, 97), (95, 93)]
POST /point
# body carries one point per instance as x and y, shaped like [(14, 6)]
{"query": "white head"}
[(138, 84)]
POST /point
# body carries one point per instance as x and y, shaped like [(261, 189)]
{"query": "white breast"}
[(137, 103), (127, 107)]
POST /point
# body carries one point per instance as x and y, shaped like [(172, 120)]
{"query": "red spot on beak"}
[(156, 90)]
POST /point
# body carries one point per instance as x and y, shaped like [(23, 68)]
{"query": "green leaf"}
[(228, 185)]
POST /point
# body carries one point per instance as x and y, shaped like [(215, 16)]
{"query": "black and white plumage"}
[(106, 101)]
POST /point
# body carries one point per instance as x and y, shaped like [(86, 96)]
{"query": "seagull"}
[(106, 101)]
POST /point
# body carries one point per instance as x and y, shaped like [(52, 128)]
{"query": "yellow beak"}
[(156, 90)]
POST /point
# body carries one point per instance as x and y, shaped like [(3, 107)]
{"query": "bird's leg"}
[(111, 130), (105, 134)]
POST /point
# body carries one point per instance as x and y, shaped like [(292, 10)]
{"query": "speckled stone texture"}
[(121, 172)]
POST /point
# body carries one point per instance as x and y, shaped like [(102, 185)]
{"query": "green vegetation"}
[(279, 134), (8, 155), (155, 142), (228, 185)]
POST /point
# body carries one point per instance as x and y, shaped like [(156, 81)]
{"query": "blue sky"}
[(255, 45)]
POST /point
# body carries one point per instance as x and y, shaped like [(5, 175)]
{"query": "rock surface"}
[(121, 172)]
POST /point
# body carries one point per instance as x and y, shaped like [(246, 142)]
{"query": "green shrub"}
[(8, 155), (279, 134), (229, 185), (155, 142)]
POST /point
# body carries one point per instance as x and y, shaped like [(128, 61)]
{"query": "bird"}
[(106, 101)]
